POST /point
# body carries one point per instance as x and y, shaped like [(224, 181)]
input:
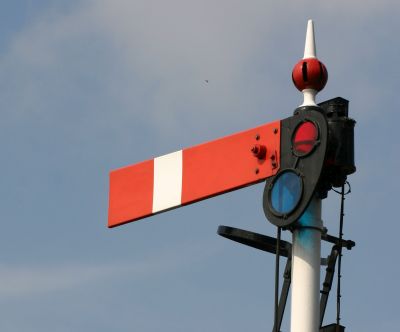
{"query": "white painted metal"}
[(309, 48), (167, 191), (309, 97), (309, 52), (306, 258)]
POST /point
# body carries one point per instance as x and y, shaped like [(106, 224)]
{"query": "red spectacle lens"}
[(305, 138)]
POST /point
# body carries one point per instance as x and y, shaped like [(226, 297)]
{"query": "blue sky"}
[(89, 86)]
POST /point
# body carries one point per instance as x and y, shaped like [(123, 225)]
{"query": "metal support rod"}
[(339, 274), (327, 285), (284, 293), (277, 259), (306, 259)]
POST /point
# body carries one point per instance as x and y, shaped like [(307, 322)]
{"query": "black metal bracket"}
[(255, 240), (268, 244), (332, 328), (348, 244)]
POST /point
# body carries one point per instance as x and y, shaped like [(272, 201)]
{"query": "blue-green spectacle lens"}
[(286, 192)]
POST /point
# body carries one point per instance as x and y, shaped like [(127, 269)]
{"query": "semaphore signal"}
[(300, 158)]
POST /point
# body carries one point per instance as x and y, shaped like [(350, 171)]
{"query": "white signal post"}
[(306, 247), (306, 260)]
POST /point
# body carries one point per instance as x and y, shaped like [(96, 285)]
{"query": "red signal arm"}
[(193, 174)]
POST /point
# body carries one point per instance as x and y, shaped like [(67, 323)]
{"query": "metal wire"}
[(348, 189), (339, 274), (277, 256)]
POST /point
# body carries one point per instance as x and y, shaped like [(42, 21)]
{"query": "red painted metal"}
[(208, 170), (310, 74), (228, 163), (131, 193)]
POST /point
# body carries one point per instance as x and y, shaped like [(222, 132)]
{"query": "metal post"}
[(306, 259)]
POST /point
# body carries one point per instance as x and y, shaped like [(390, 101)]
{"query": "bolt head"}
[(259, 151)]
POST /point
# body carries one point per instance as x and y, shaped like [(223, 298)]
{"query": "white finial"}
[(309, 74), (309, 48)]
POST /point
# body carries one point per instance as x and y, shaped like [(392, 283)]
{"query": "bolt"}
[(255, 149), (257, 137), (259, 151), (256, 171), (275, 130)]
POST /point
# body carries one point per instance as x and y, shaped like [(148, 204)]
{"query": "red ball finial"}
[(310, 74)]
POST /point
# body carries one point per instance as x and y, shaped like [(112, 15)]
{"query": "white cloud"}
[(17, 281), (26, 280)]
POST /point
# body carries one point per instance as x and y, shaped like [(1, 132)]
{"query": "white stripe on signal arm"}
[(167, 181)]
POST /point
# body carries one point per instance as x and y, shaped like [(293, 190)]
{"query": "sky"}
[(87, 86)]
